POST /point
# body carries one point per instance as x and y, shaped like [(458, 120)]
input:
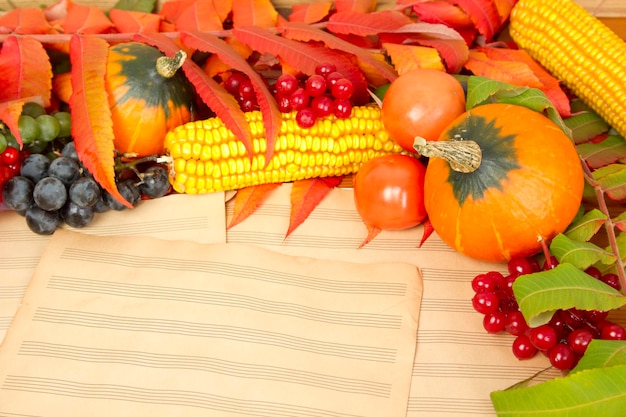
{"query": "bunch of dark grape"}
[(52, 188), (564, 339), (324, 93)]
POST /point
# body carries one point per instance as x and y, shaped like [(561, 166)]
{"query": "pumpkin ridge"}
[(498, 158)]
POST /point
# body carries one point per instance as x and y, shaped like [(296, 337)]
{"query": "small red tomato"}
[(389, 192)]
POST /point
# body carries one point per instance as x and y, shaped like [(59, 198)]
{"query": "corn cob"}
[(205, 156), (587, 56)]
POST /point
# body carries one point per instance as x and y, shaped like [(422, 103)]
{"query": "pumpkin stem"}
[(167, 67), (462, 155)]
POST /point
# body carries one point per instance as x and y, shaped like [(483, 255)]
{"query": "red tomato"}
[(389, 192), (422, 103)]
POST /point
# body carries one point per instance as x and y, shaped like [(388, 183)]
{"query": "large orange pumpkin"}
[(526, 185), (146, 99)]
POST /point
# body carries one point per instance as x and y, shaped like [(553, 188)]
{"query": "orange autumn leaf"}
[(372, 232), (201, 16), (366, 24), (24, 20), (62, 86), (484, 14), (172, 9), (504, 8), (92, 125), (409, 57), (305, 196), (512, 72), (362, 6), (248, 199), (10, 112), (215, 66), (550, 85), (254, 13), (25, 69), (310, 12), (87, 20), (130, 21)]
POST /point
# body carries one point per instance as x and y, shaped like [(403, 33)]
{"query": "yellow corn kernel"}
[(586, 55), (206, 156)]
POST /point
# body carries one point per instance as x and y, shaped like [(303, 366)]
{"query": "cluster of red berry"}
[(10, 160), (324, 93), (564, 339)]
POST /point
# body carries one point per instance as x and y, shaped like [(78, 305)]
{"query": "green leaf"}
[(602, 354), (584, 228), (605, 152), (612, 179), (580, 254), (146, 6), (593, 392), (482, 90), (586, 125), (540, 294)]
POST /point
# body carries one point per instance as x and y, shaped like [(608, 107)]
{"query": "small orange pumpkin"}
[(523, 182), (146, 98)]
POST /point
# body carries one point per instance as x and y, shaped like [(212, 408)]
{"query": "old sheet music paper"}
[(196, 218), (136, 326), (457, 363)]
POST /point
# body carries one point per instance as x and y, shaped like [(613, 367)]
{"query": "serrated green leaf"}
[(603, 153), (580, 254), (482, 90), (583, 228), (146, 6), (612, 179), (620, 239), (586, 125), (602, 354), (540, 294), (593, 392)]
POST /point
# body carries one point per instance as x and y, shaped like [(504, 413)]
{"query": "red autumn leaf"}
[(92, 126), (201, 16), (303, 57), (86, 20), (366, 24), (310, 12), (512, 72), (428, 231), (25, 69), (484, 14), (504, 8), (305, 196), (172, 9), (248, 199), (272, 117), (409, 57), (10, 112), (129, 21), (301, 32), (214, 66), (447, 14), (550, 85), (24, 20), (362, 6), (212, 94), (448, 42), (259, 13), (372, 232)]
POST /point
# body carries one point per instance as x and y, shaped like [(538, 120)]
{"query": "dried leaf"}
[(212, 94), (25, 69), (361, 6), (259, 13), (448, 42), (409, 57), (85, 20), (272, 117), (201, 16), (129, 21), (92, 126), (10, 112), (366, 24), (248, 199), (512, 72), (305, 196), (310, 12), (372, 232), (24, 20), (484, 14), (550, 85)]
